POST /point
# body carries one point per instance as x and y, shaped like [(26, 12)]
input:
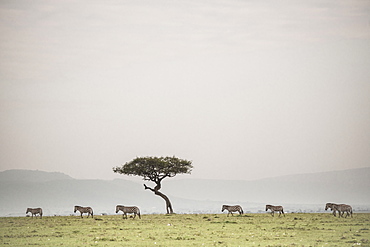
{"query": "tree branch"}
[(148, 188)]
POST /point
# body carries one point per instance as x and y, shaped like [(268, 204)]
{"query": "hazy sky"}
[(245, 89)]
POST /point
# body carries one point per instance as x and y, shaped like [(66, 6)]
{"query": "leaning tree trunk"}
[(156, 191)]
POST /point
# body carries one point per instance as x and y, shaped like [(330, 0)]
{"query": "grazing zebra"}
[(84, 210), (35, 211), (343, 208), (275, 209), (332, 207), (231, 209), (128, 210)]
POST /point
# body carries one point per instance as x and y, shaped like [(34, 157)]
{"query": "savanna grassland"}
[(187, 230)]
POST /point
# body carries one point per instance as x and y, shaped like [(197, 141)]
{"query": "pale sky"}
[(245, 89)]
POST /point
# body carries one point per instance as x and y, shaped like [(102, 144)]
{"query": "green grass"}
[(187, 230)]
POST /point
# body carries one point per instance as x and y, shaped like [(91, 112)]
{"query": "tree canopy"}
[(156, 169)]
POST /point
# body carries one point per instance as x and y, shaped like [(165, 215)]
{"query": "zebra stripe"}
[(84, 210), (331, 206), (35, 211), (231, 209), (274, 209), (343, 208), (128, 210)]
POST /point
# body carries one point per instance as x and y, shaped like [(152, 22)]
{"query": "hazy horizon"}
[(140, 180), (302, 192), (244, 89)]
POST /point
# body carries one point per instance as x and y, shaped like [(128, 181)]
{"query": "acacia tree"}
[(156, 169)]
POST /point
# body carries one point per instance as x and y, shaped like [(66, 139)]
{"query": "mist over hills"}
[(32, 176), (338, 186), (57, 193)]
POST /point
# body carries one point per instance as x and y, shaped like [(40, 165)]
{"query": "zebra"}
[(231, 209), (343, 208), (84, 210), (128, 210), (275, 209), (332, 207), (35, 211)]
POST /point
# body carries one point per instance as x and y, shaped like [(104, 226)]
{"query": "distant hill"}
[(32, 176), (351, 186), (57, 193)]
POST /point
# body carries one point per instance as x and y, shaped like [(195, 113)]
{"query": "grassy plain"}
[(187, 230)]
